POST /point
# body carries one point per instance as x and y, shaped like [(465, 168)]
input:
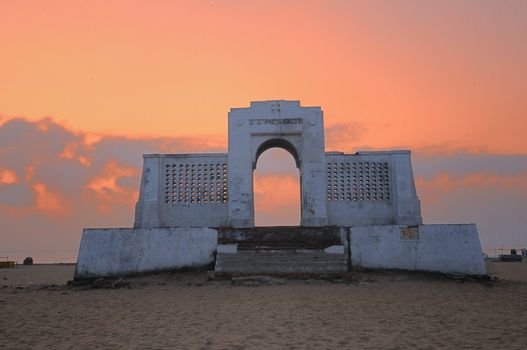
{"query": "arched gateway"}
[(285, 124), (216, 190), (356, 209)]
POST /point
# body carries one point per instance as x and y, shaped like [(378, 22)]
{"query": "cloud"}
[(48, 201), (438, 174), (108, 189), (487, 189), (442, 183), (8, 177), (54, 181), (277, 199), (344, 136), (276, 189), (353, 137), (463, 163)]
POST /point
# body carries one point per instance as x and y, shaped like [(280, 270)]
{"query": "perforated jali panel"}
[(358, 181), (194, 184)]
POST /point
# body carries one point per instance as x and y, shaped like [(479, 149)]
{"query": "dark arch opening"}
[(279, 143)]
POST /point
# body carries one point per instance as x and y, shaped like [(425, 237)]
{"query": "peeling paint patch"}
[(410, 233)]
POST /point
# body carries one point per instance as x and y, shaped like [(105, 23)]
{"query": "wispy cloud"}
[(48, 201), (109, 189), (344, 136), (8, 177), (432, 189)]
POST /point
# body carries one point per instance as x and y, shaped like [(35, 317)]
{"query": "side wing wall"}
[(436, 248), (123, 251), (183, 190), (371, 188)]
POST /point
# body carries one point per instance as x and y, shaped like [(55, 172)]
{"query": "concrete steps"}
[(280, 261), (280, 250)]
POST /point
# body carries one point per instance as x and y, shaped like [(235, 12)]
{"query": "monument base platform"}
[(303, 250)]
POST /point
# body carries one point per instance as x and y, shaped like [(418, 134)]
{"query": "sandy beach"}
[(186, 311)]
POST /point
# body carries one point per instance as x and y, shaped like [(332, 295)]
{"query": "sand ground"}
[(185, 311)]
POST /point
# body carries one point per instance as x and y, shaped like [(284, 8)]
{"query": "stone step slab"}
[(296, 261), (279, 261)]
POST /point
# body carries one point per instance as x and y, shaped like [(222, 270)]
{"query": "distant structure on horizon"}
[(356, 210)]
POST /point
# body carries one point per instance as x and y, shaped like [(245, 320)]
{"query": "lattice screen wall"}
[(189, 184), (358, 181)]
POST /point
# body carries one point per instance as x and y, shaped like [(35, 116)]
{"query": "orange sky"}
[(414, 74), (98, 83)]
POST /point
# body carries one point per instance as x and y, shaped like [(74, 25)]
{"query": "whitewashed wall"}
[(121, 251), (385, 194), (434, 248), (371, 188), (286, 124), (164, 202)]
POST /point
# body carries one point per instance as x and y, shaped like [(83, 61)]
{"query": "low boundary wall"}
[(122, 251), (434, 248)]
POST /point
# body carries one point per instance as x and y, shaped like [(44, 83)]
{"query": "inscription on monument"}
[(275, 121)]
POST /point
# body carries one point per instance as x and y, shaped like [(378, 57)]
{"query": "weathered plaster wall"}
[(180, 190), (121, 251), (371, 188), (435, 248)]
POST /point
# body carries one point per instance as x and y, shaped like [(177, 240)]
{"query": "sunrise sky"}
[(87, 87)]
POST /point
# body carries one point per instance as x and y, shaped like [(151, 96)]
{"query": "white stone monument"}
[(356, 210)]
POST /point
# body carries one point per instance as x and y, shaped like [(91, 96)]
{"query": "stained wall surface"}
[(434, 248), (122, 251)]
